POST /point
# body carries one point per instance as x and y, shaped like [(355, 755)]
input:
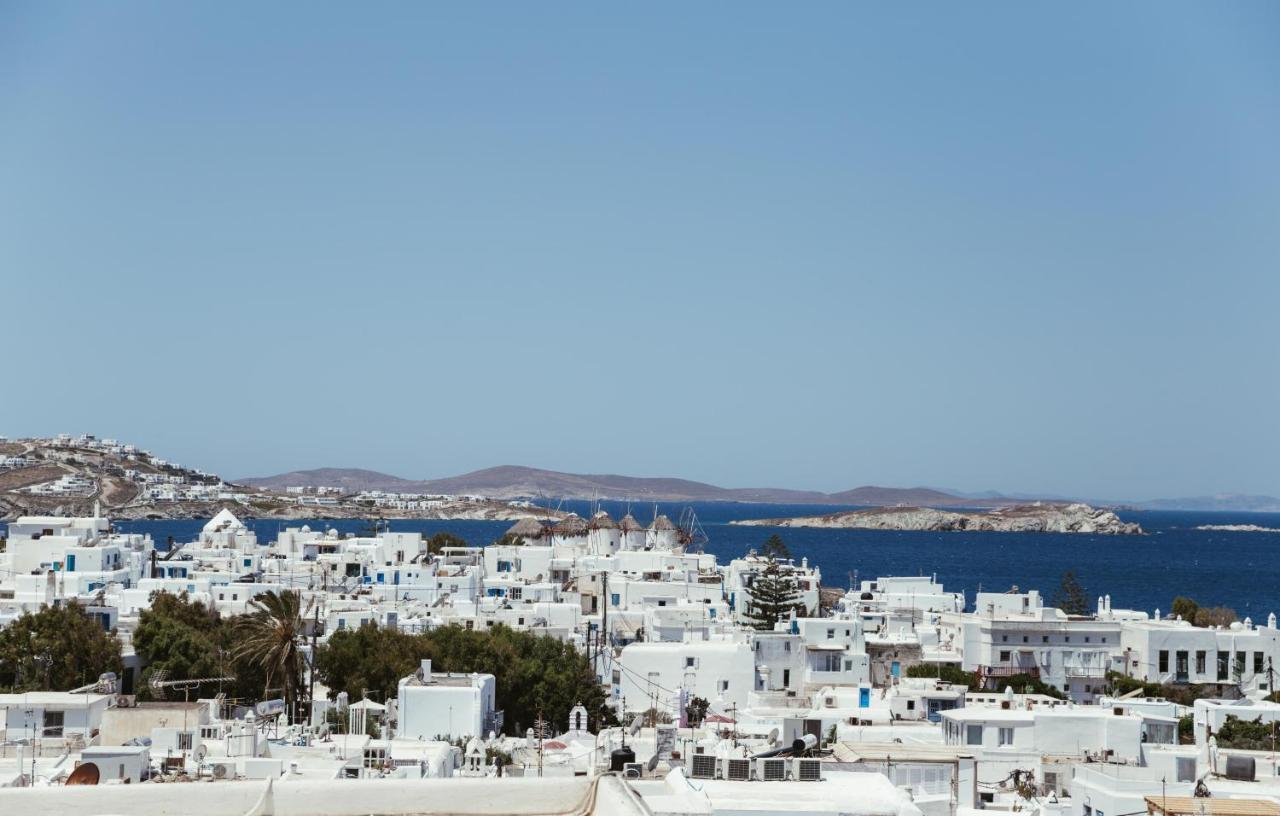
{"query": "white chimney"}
[(426, 670)]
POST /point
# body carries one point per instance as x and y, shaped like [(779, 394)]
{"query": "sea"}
[(1240, 570)]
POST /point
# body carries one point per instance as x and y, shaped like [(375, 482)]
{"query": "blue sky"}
[(1015, 246)]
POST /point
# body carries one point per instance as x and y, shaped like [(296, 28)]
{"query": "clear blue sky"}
[(1016, 246)]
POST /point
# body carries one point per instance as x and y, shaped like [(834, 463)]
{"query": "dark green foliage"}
[(370, 657), (189, 640), (1187, 729), (773, 597), (775, 547), (1026, 684), (1248, 735), (1185, 608), (182, 637), (534, 673), (950, 673), (270, 639), (1180, 693), (508, 539), (696, 711), (55, 649), (1070, 597)]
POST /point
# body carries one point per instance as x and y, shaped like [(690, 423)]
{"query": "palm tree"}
[(270, 637)]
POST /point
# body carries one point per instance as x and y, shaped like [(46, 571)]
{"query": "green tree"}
[(270, 638), (534, 674), (1248, 735), (56, 649), (508, 539), (696, 710), (773, 597), (775, 547), (1071, 597), (1185, 608), (370, 657), (182, 637)]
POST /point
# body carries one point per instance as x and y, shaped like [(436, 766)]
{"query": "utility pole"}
[(603, 642), (311, 688)]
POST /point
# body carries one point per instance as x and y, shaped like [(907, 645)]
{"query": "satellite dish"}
[(773, 737), (85, 774), (200, 752), (219, 771)]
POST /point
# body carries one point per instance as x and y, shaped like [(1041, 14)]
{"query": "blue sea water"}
[(1235, 569)]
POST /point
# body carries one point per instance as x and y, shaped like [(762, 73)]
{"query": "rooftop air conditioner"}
[(773, 769), (223, 770), (807, 770), (704, 766), (633, 770), (736, 770)]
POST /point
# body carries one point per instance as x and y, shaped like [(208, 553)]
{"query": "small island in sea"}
[(1040, 517), (1237, 528)]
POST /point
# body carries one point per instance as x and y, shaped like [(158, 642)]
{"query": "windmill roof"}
[(571, 524), (662, 523), (602, 521), (629, 523), (527, 528)]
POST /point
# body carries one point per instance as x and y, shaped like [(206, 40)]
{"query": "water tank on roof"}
[(620, 758), (1240, 768)]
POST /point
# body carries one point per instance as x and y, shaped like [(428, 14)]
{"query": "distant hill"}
[(914, 496), (352, 480), (514, 481), (1221, 502)]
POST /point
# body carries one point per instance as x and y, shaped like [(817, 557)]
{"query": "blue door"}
[(896, 669), (864, 698), (71, 562)]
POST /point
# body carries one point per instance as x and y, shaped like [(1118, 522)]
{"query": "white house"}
[(437, 705)]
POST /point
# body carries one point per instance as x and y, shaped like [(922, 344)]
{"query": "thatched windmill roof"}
[(601, 521), (570, 525), (527, 528), (662, 523), (629, 524)]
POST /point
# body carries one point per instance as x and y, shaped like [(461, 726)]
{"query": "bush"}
[(1247, 735)]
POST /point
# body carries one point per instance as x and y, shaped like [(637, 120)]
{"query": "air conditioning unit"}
[(807, 770), (773, 769), (704, 766), (223, 770), (633, 770), (736, 770)]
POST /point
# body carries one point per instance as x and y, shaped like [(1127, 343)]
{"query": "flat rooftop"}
[(1210, 806)]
